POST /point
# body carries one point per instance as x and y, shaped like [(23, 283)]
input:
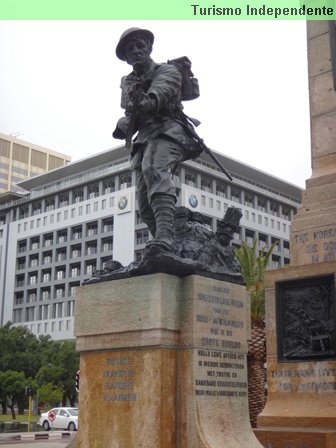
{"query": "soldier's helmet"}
[(129, 33)]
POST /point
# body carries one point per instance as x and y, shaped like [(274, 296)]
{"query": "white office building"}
[(76, 217)]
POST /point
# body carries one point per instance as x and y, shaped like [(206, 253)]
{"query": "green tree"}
[(50, 395), (14, 384), (253, 264), (19, 350), (61, 362)]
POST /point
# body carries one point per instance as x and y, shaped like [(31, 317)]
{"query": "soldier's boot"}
[(163, 206)]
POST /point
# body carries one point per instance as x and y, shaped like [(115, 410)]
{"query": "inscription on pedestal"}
[(221, 321), (318, 245), (118, 379), (312, 380)]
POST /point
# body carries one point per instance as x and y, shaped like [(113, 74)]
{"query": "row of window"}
[(211, 203), (60, 273), (45, 293), (267, 222), (63, 200), (44, 312), (50, 327), (62, 253), (67, 214), (67, 234)]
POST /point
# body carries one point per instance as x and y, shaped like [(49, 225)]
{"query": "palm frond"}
[(253, 264)]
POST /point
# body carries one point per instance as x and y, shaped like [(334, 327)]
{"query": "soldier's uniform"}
[(164, 139)]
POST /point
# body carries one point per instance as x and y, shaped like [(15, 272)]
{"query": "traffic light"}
[(77, 381), (28, 391)]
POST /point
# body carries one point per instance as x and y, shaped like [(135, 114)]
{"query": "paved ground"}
[(6, 441)]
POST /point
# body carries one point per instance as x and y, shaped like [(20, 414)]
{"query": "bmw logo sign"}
[(193, 201), (122, 203)]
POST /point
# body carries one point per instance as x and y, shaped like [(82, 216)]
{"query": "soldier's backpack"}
[(190, 87)]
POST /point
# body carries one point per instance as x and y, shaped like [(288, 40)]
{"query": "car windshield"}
[(73, 412)]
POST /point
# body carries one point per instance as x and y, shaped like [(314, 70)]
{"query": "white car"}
[(65, 418)]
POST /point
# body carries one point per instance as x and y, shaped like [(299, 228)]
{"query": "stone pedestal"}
[(163, 364), (301, 405), (300, 299)]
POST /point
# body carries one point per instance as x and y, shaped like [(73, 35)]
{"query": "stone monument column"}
[(163, 363), (300, 299)]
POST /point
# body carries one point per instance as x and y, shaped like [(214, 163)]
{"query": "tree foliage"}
[(50, 395), (253, 264), (23, 357)]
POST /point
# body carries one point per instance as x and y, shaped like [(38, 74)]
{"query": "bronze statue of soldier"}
[(151, 97)]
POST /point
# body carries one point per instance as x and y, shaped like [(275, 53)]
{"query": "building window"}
[(64, 201), (92, 229), (46, 276), (22, 246), (33, 278), (57, 310), (273, 209), (206, 184), (70, 308), (107, 244), (235, 196), (108, 225), (62, 236), (60, 254), (75, 270), (43, 312), (76, 251), (49, 204), (37, 208), (78, 196), (109, 186), (47, 258), (248, 198), (18, 298), (90, 268), (59, 292), (48, 240), (73, 288), (30, 314), (60, 274), (76, 233), (45, 294), (33, 261), (125, 181), (17, 316), (21, 263), (142, 236), (91, 248), (93, 191), (35, 243), (190, 179), (262, 204), (23, 213)]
